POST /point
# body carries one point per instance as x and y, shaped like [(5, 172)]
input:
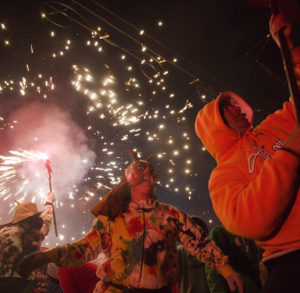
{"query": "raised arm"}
[(68, 255), (47, 214)]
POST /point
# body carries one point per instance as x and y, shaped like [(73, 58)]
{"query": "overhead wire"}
[(156, 56)]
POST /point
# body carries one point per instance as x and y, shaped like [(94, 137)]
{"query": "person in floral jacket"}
[(21, 237), (139, 233)]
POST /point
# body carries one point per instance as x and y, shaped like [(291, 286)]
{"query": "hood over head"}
[(216, 136)]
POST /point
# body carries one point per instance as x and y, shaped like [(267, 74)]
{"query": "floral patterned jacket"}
[(16, 242), (142, 246)]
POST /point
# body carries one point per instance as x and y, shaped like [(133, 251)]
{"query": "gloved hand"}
[(51, 197), (35, 260), (293, 142), (233, 279), (278, 22)]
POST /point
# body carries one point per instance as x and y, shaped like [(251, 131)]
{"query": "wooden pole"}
[(47, 165)]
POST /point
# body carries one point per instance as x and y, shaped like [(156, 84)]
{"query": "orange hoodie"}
[(255, 186)]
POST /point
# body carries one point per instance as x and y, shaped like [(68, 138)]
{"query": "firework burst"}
[(20, 172)]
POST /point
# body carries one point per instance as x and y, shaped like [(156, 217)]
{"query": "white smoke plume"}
[(48, 129)]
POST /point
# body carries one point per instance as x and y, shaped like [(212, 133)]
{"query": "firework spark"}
[(122, 100), (18, 171)]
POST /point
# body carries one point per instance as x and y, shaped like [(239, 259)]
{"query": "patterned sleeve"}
[(83, 250), (47, 215), (195, 240)]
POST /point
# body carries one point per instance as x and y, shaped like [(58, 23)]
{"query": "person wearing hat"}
[(22, 236), (255, 186), (140, 235)]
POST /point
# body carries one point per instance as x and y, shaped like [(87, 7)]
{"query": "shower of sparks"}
[(104, 101), (124, 105), (18, 171)]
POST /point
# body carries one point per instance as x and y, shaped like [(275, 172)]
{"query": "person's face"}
[(147, 184), (141, 176), (235, 119)]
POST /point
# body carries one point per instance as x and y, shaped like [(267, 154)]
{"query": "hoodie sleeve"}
[(255, 206), (281, 122)]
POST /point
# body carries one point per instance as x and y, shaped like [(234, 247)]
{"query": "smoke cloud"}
[(49, 129)]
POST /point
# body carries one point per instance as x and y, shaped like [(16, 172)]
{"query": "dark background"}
[(223, 44)]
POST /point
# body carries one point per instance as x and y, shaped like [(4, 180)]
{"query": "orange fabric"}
[(296, 61), (226, 271), (254, 184)]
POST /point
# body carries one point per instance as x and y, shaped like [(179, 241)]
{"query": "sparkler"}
[(14, 171)]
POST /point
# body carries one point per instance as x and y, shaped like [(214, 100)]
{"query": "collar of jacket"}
[(143, 205)]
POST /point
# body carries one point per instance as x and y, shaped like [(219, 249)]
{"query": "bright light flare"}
[(20, 174)]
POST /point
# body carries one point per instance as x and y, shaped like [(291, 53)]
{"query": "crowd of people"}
[(143, 245)]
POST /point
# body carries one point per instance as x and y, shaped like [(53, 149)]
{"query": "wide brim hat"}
[(24, 211)]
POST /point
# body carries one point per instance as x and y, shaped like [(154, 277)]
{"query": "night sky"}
[(94, 75)]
